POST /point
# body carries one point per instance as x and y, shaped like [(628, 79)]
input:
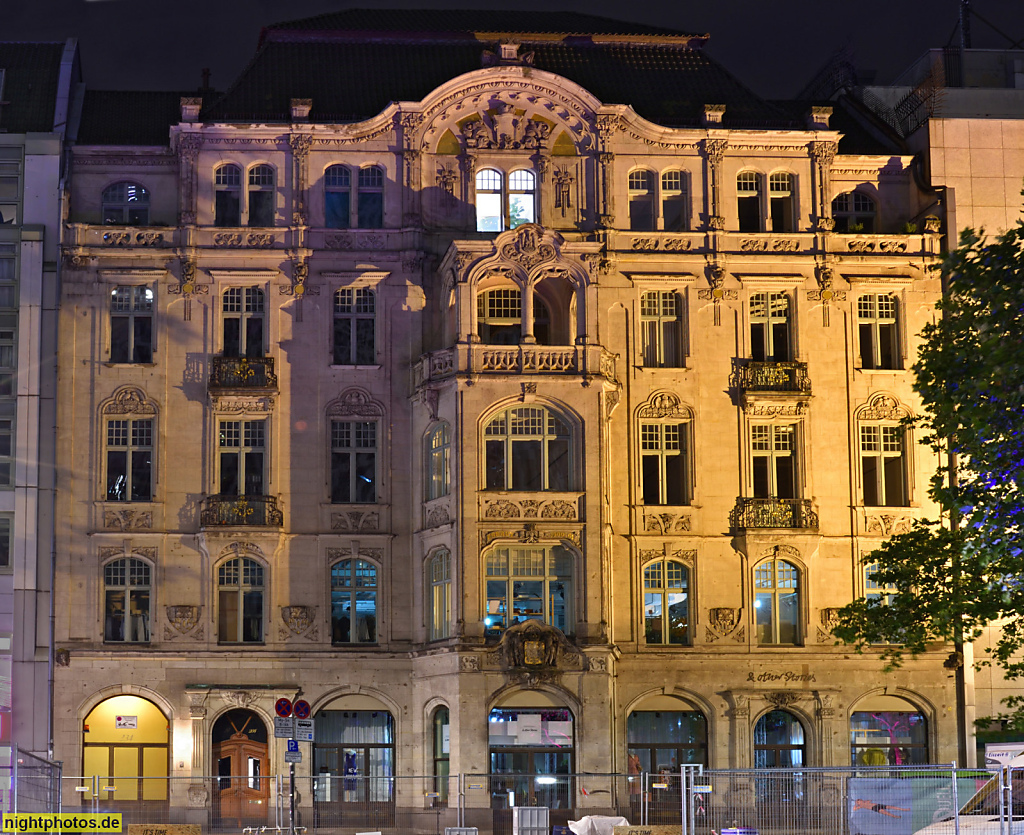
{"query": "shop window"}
[(527, 448), (534, 741), (529, 583), (126, 585), (660, 741), (125, 204), (888, 737), (777, 603), (353, 602), (240, 587), (666, 603), (131, 324)]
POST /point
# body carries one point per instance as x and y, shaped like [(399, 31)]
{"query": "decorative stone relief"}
[(128, 520), (241, 404), (301, 621), (530, 509), (769, 245), (530, 534), (781, 699), (359, 240), (756, 408), (882, 407), (888, 524), (527, 246), (825, 708), (503, 129), (597, 664), (723, 621), (665, 404), (666, 523), (198, 796), (469, 663), (531, 652), (437, 515), (829, 621), (183, 621), (129, 401), (356, 520), (239, 698), (62, 657), (355, 401), (447, 177)]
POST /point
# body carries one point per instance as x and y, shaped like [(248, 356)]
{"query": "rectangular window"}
[(662, 326), (370, 198), (131, 324), (774, 461), (10, 184), (876, 326), (7, 443), (353, 462), (242, 445), (8, 333), (129, 460), (663, 463), (355, 327), (882, 466), (6, 525), (781, 202), (748, 201), (769, 327)]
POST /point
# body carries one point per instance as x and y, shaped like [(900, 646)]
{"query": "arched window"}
[(438, 460), (240, 601), (782, 201), (877, 329), (521, 198), (666, 603), (673, 201), (777, 603), (529, 583), (355, 326), (126, 204), (261, 195), (126, 584), (666, 739), (887, 730), (371, 197), (440, 743), (337, 197), (779, 741), (748, 201), (353, 602), (854, 212), (489, 212), (641, 201), (227, 187), (243, 322), (439, 575), (527, 448)]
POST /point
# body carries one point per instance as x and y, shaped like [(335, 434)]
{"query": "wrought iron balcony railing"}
[(773, 376), (242, 373), (250, 511), (773, 513)]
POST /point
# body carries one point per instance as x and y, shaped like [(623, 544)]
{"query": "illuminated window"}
[(131, 324), (502, 205), (439, 577), (527, 448), (529, 584), (125, 204), (126, 585), (240, 588), (438, 461), (777, 603), (666, 603), (353, 602)]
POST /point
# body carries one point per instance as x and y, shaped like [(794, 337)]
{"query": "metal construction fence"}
[(32, 784), (895, 800)]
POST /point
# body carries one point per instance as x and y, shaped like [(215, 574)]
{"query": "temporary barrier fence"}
[(694, 800), (33, 784)]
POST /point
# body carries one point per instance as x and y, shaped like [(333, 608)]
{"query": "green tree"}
[(953, 576)]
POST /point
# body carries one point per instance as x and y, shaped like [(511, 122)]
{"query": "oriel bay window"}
[(353, 462), (527, 448), (666, 603), (240, 601), (773, 449), (129, 460), (242, 452), (126, 584), (131, 324), (243, 309), (882, 465), (353, 602), (529, 583)]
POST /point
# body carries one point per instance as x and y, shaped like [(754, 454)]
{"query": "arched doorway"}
[(125, 742), (780, 742), (531, 739), (887, 730), (354, 764), (242, 788), (663, 733)]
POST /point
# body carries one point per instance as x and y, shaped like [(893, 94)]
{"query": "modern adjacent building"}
[(521, 392), (38, 82)]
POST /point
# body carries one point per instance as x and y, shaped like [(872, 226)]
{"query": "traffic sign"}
[(283, 708), (301, 708), (293, 757), (304, 729), (293, 745), (284, 727)]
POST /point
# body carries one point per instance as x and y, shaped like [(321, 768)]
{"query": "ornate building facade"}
[(511, 411)]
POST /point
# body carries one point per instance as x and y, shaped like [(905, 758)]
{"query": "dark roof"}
[(353, 73), (468, 21), (31, 77), (856, 138), (116, 117)]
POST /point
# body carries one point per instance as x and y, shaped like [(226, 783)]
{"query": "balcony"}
[(245, 373), (773, 513), (773, 376), (241, 511), (476, 358)]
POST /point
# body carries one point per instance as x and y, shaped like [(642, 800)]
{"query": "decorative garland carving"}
[(129, 401), (665, 404), (666, 523), (128, 520), (888, 524), (882, 407), (356, 520), (355, 401), (530, 534)]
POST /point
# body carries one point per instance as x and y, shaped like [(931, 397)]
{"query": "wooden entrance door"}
[(243, 787)]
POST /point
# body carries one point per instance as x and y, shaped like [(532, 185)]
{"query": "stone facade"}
[(594, 441)]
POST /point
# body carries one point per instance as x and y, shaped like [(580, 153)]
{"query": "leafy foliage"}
[(951, 578)]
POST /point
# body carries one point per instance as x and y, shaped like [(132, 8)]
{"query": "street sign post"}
[(304, 730), (301, 709), (284, 727), (283, 708)]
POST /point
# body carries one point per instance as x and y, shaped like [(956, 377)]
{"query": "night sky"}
[(774, 46)]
